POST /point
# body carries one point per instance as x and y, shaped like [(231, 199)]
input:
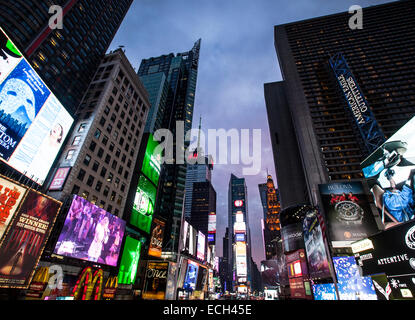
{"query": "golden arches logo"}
[(91, 284), (112, 282), (41, 275)]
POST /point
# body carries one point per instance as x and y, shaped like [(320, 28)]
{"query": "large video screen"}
[(201, 243), (23, 244), (33, 123), (191, 276), (152, 161), (129, 261), (350, 284), (390, 172), (348, 213), (143, 207), (91, 233)]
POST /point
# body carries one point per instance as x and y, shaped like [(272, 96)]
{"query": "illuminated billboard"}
[(156, 242), (238, 203), (33, 123), (212, 223), (23, 244), (201, 243), (239, 227), (390, 175), (129, 261), (152, 161), (143, 206), (240, 258), (325, 291), (59, 179), (90, 233), (348, 214), (156, 280), (350, 284), (11, 194), (240, 237), (191, 276), (316, 252)]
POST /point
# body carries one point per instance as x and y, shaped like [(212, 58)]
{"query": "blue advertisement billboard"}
[(33, 123), (325, 291), (191, 276)]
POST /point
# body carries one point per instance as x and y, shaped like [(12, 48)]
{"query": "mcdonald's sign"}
[(110, 288), (89, 286), (39, 283)]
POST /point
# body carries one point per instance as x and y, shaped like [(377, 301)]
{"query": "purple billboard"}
[(91, 233)]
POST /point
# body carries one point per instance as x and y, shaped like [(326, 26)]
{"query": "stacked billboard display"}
[(129, 261), (389, 171), (90, 233), (145, 197), (30, 221), (33, 123), (348, 214), (315, 248), (156, 241)]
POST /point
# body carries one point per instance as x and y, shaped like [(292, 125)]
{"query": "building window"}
[(117, 154), (98, 186), (126, 173), (103, 172), (90, 181), (95, 166), (106, 191), (120, 169), (102, 121), (97, 133), (114, 164), (113, 194), (110, 177), (109, 208), (107, 159), (92, 145), (70, 154), (111, 148), (81, 174), (104, 140), (75, 189), (76, 141), (100, 152), (119, 200), (82, 127), (117, 182), (87, 160), (85, 194), (109, 128), (123, 187)]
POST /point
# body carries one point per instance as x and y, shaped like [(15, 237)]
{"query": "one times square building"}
[(323, 132)]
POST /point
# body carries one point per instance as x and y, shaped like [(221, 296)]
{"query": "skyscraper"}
[(66, 58), (329, 139), (181, 75), (239, 234), (270, 202)]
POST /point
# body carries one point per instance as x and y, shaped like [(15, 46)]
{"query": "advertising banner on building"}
[(348, 213), (143, 206), (201, 245), (156, 241), (212, 223), (59, 179), (33, 123), (155, 280), (292, 237), (402, 287), (391, 252), (390, 175), (297, 288), (171, 282), (315, 249), (11, 194), (325, 291), (90, 233), (350, 284), (25, 240), (152, 161), (129, 261), (191, 276)]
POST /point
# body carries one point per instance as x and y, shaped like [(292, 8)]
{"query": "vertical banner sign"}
[(156, 281), (59, 179), (348, 213), (24, 242), (129, 261), (367, 125), (156, 242), (11, 194)]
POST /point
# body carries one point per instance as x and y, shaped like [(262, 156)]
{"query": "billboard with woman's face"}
[(33, 123), (390, 174), (90, 233)]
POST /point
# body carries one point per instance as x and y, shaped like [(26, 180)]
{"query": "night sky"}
[(237, 57)]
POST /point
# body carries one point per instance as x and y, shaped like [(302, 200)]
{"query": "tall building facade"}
[(98, 160), (180, 71), (271, 204), (203, 208), (67, 58), (239, 235), (380, 58)]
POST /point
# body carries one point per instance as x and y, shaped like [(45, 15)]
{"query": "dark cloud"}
[(237, 57)]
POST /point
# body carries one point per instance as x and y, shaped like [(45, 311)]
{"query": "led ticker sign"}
[(33, 123)]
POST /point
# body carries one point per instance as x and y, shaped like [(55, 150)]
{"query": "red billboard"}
[(25, 240)]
